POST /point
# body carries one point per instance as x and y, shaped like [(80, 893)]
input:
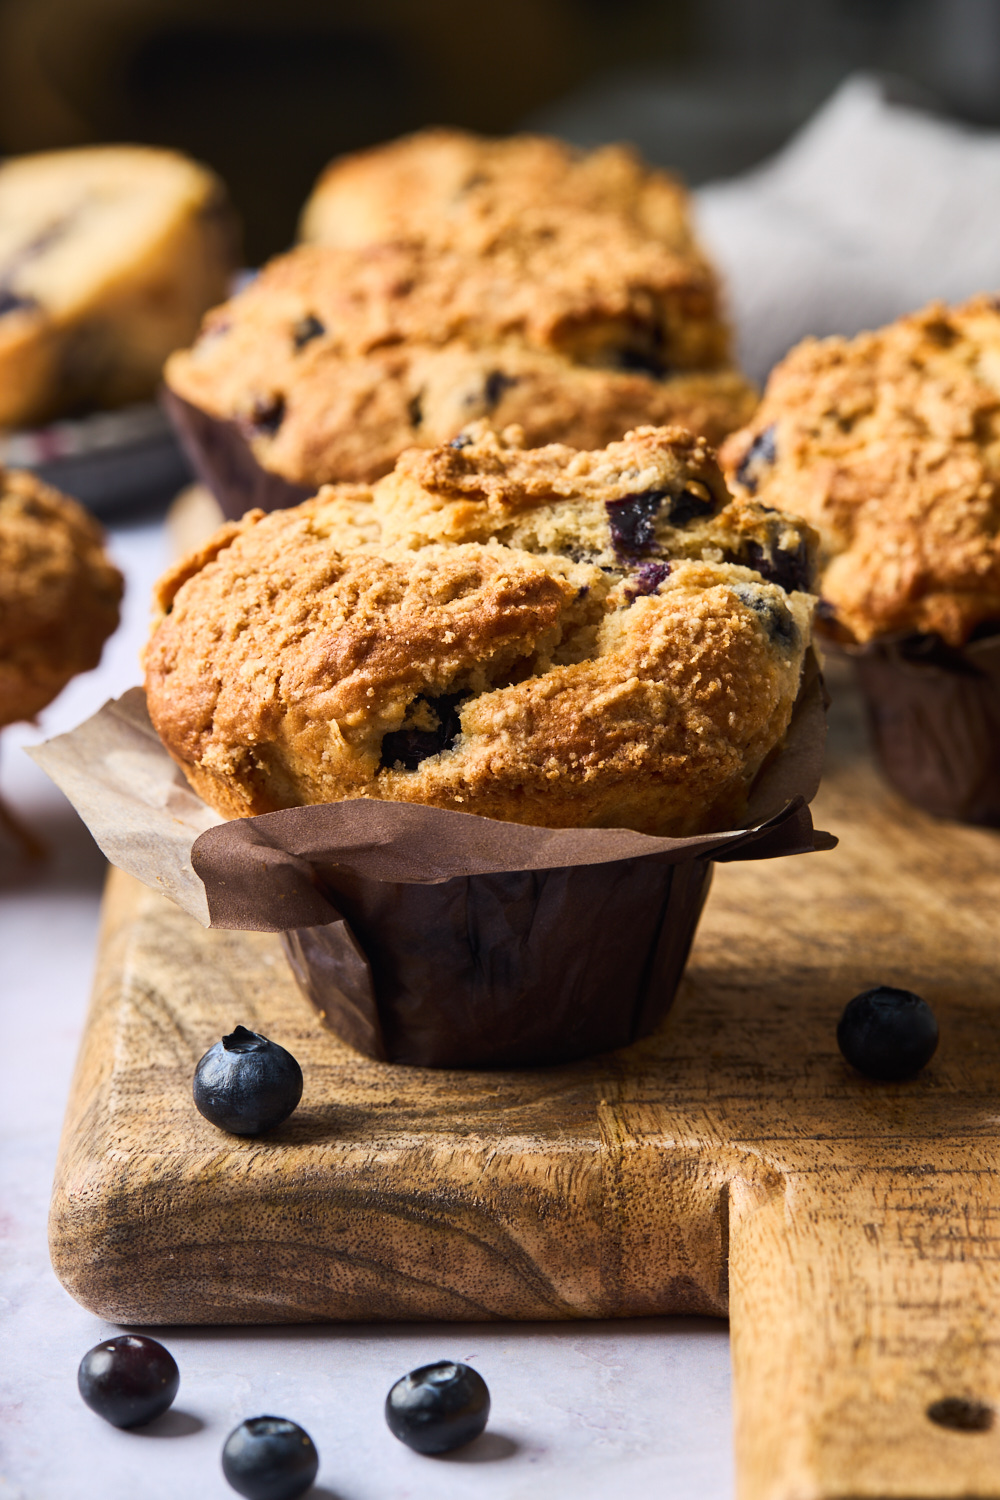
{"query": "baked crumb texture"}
[(59, 594), (543, 636), (889, 443), (109, 257), (459, 278)]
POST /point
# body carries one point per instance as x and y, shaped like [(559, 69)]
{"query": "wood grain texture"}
[(731, 1162)]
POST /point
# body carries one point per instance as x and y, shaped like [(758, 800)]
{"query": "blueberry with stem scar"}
[(129, 1380), (438, 1407), (887, 1034), (270, 1458), (247, 1084)]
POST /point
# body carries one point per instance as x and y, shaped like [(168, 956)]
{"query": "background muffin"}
[(109, 256), (889, 444), (59, 594), (522, 685), (556, 290)]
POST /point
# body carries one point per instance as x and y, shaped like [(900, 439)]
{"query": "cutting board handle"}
[(865, 1317)]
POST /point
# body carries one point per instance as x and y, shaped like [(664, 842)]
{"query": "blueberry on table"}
[(887, 1034), (129, 1380), (438, 1407), (247, 1084), (269, 1458)]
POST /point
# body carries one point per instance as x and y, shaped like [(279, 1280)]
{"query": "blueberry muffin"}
[(526, 675), (450, 185), (109, 256), (334, 360), (59, 594), (889, 443)]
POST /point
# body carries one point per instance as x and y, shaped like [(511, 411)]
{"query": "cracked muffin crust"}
[(528, 685), (59, 594), (453, 186), (571, 300), (889, 443)]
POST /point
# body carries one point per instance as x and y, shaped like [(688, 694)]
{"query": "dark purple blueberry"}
[(307, 329), (826, 612), (270, 1458), (790, 570), (246, 1084), (647, 579), (14, 302), (887, 1034), (631, 520), (438, 1408), (641, 361), (776, 618), (129, 1380), (267, 414), (412, 746), (496, 384), (759, 456), (462, 441), (690, 506), (962, 1414)]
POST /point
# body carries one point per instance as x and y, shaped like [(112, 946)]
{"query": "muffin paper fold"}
[(934, 714), (433, 937)]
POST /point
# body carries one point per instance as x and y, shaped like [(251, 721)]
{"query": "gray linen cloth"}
[(874, 208)]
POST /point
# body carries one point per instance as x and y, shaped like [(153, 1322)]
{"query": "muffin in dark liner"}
[(224, 461), (558, 943), (429, 936), (934, 713)]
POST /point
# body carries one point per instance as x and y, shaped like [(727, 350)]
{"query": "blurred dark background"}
[(268, 92)]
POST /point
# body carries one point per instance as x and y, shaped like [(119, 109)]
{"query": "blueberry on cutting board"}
[(129, 1380), (887, 1034), (270, 1458), (247, 1084), (439, 1407)]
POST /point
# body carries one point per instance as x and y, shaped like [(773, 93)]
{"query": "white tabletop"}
[(588, 1410)]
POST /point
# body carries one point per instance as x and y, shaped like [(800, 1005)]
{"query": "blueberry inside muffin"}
[(526, 642), (889, 444)]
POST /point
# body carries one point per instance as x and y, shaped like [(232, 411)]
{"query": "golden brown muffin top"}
[(523, 685), (454, 187), (335, 359), (59, 594), (889, 443)]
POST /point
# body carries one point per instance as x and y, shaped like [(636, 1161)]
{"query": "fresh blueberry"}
[(438, 1407), (246, 1084), (128, 1380), (269, 1458), (887, 1034)]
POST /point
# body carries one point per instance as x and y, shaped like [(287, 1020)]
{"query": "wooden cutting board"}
[(732, 1163)]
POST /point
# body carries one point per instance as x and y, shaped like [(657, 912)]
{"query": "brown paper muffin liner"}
[(223, 460), (934, 712), (432, 937)]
